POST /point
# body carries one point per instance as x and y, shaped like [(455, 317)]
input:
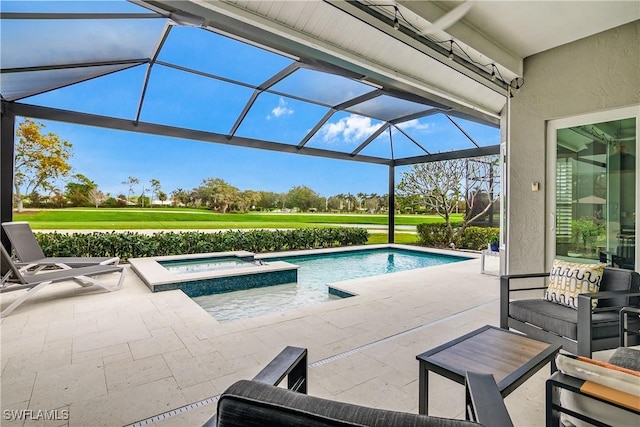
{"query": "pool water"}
[(207, 264), (314, 274)]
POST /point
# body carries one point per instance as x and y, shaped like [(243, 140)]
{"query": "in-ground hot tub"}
[(212, 273)]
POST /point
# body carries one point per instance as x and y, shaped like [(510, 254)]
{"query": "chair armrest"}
[(585, 315), (523, 275), (505, 293), (587, 297), (485, 403), (624, 331), (505, 281), (291, 363)]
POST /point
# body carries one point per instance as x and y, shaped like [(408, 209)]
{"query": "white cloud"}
[(280, 110), (414, 125), (348, 129)]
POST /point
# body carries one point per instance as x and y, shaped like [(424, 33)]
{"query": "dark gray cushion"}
[(562, 320), (626, 357), (250, 403), (616, 279)]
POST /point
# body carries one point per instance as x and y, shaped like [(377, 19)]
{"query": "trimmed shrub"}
[(434, 235), (476, 238), (437, 235), (135, 245)]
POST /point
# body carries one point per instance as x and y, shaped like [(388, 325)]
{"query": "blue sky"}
[(189, 100)]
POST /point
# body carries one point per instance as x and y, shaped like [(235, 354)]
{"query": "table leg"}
[(423, 390)]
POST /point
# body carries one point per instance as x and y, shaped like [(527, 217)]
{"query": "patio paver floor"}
[(118, 358)]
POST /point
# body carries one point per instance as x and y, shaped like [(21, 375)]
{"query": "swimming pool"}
[(315, 273), (206, 264)]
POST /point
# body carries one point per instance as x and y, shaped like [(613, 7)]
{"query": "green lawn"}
[(168, 219), (401, 238)]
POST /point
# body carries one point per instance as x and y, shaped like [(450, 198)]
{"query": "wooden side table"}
[(510, 357)]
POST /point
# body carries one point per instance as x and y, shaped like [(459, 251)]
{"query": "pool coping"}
[(154, 275)]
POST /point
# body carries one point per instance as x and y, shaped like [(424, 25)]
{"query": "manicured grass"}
[(400, 238), (175, 219)]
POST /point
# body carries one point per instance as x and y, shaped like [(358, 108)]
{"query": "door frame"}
[(566, 122)]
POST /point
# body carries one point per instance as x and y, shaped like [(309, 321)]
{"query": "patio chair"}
[(13, 279), (261, 402), (32, 259), (580, 331)]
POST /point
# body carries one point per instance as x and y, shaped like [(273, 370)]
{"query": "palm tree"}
[(155, 190), (131, 181)]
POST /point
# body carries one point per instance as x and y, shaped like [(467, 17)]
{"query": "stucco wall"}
[(597, 73)]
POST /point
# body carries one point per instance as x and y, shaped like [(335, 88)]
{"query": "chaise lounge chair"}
[(13, 279), (31, 258)]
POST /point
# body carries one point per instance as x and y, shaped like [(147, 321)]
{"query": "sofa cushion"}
[(626, 357), (250, 403), (562, 320), (568, 279), (616, 279)]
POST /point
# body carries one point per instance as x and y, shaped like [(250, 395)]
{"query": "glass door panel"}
[(595, 192)]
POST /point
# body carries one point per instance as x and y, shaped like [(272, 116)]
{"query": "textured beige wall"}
[(597, 73)]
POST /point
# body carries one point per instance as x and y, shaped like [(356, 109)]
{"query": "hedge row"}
[(134, 245), (475, 238)]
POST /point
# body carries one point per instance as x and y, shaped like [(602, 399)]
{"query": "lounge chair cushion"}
[(562, 320), (568, 279), (251, 403), (605, 380)]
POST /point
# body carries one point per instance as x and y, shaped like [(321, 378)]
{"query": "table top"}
[(507, 355)]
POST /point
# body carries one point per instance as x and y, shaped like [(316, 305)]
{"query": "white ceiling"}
[(524, 28)]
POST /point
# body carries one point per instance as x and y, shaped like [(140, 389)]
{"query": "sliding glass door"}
[(593, 188)]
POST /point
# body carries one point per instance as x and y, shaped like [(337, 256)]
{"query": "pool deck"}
[(115, 359)]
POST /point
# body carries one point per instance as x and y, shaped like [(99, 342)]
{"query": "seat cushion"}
[(562, 320), (568, 279), (250, 403)]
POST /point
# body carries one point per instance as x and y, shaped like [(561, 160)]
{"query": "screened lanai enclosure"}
[(158, 67)]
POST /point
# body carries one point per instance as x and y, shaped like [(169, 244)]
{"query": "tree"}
[(96, 197), (180, 197), (155, 190), (162, 196), (58, 198), (268, 200), (304, 198), (217, 194), (249, 200), (334, 203), (77, 191), (441, 185), (39, 159), (121, 201), (130, 182)]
